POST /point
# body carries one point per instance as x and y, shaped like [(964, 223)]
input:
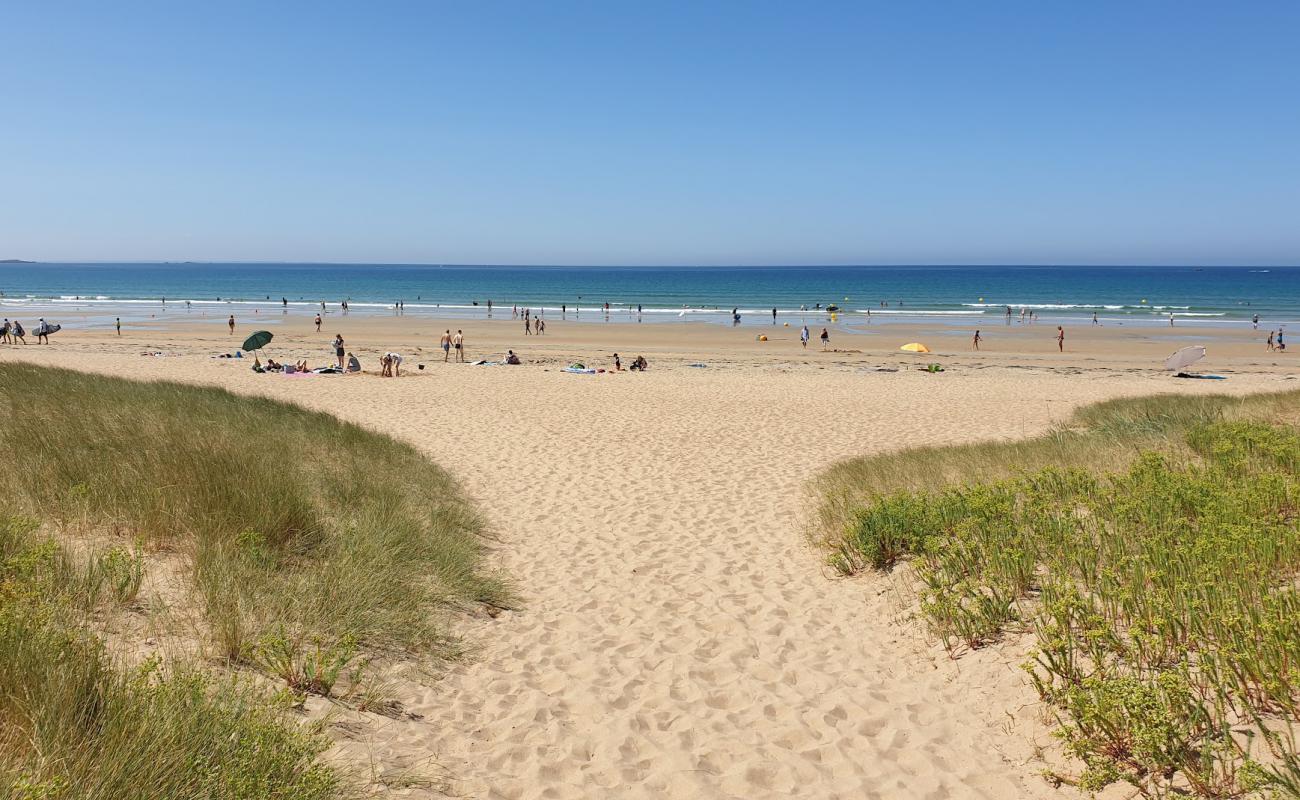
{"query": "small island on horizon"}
[(15, 261)]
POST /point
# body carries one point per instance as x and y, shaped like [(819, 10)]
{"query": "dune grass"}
[(74, 724), (1152, 549), (312, 545), (298, 524)]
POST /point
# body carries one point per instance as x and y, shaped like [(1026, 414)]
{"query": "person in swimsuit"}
[(339, 352), (975, 342), (1060, 338), (826, 338), (317, 323), (445, 342), (231, 323), (458, 342)]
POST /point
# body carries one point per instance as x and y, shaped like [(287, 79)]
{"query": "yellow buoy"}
[(762, 338), (787, 324), (1144, 299), (981, 299)]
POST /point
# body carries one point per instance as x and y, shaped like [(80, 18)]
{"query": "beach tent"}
[(1184, 358), (914, 347)]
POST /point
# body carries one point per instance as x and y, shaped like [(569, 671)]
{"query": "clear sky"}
[(652, 132)]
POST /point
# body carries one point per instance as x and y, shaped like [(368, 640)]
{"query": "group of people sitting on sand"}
[(352, 365), (638, 365)]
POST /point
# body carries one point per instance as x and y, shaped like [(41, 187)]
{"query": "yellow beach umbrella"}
[(914, 347)]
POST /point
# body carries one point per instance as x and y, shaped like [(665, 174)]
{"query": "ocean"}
[(966, 295)]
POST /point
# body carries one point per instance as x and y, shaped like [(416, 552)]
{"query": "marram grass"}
[(295, 521), (311, 544)]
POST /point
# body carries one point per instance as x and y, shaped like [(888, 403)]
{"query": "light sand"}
[(677, 637)]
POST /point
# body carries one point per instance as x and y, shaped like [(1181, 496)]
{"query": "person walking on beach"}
[(1060, 338), (773, 316), (445, 344), (458, 342), (4, 332), (975, 342), (16, 333), (339, 352), (119, 326), (231, 323), (1094, 318), (826, 338), (1171, 320), (1281, 345), (541, 326), (1270, 341), (528, 325), (1254, 323), (803, 337), (42, 332)]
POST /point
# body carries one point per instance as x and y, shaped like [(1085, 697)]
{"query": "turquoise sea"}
[(968, 295)]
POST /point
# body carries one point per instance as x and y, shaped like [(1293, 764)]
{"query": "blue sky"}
[(652, 133)]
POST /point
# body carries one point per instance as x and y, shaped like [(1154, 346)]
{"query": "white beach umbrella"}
[(1184, 358)]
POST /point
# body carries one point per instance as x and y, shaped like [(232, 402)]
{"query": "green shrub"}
[(1162, 596)]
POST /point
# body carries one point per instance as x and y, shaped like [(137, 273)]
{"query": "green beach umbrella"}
[(258, 340)]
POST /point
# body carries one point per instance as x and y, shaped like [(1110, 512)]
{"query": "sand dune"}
[(677, 636)]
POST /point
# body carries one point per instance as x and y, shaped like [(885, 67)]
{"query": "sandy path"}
[(678, 639)]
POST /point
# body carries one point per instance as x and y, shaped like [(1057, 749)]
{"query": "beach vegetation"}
[(308, 548), (75, 723), (1154, 561)]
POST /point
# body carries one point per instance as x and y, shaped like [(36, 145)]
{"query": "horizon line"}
[(256, 262)]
